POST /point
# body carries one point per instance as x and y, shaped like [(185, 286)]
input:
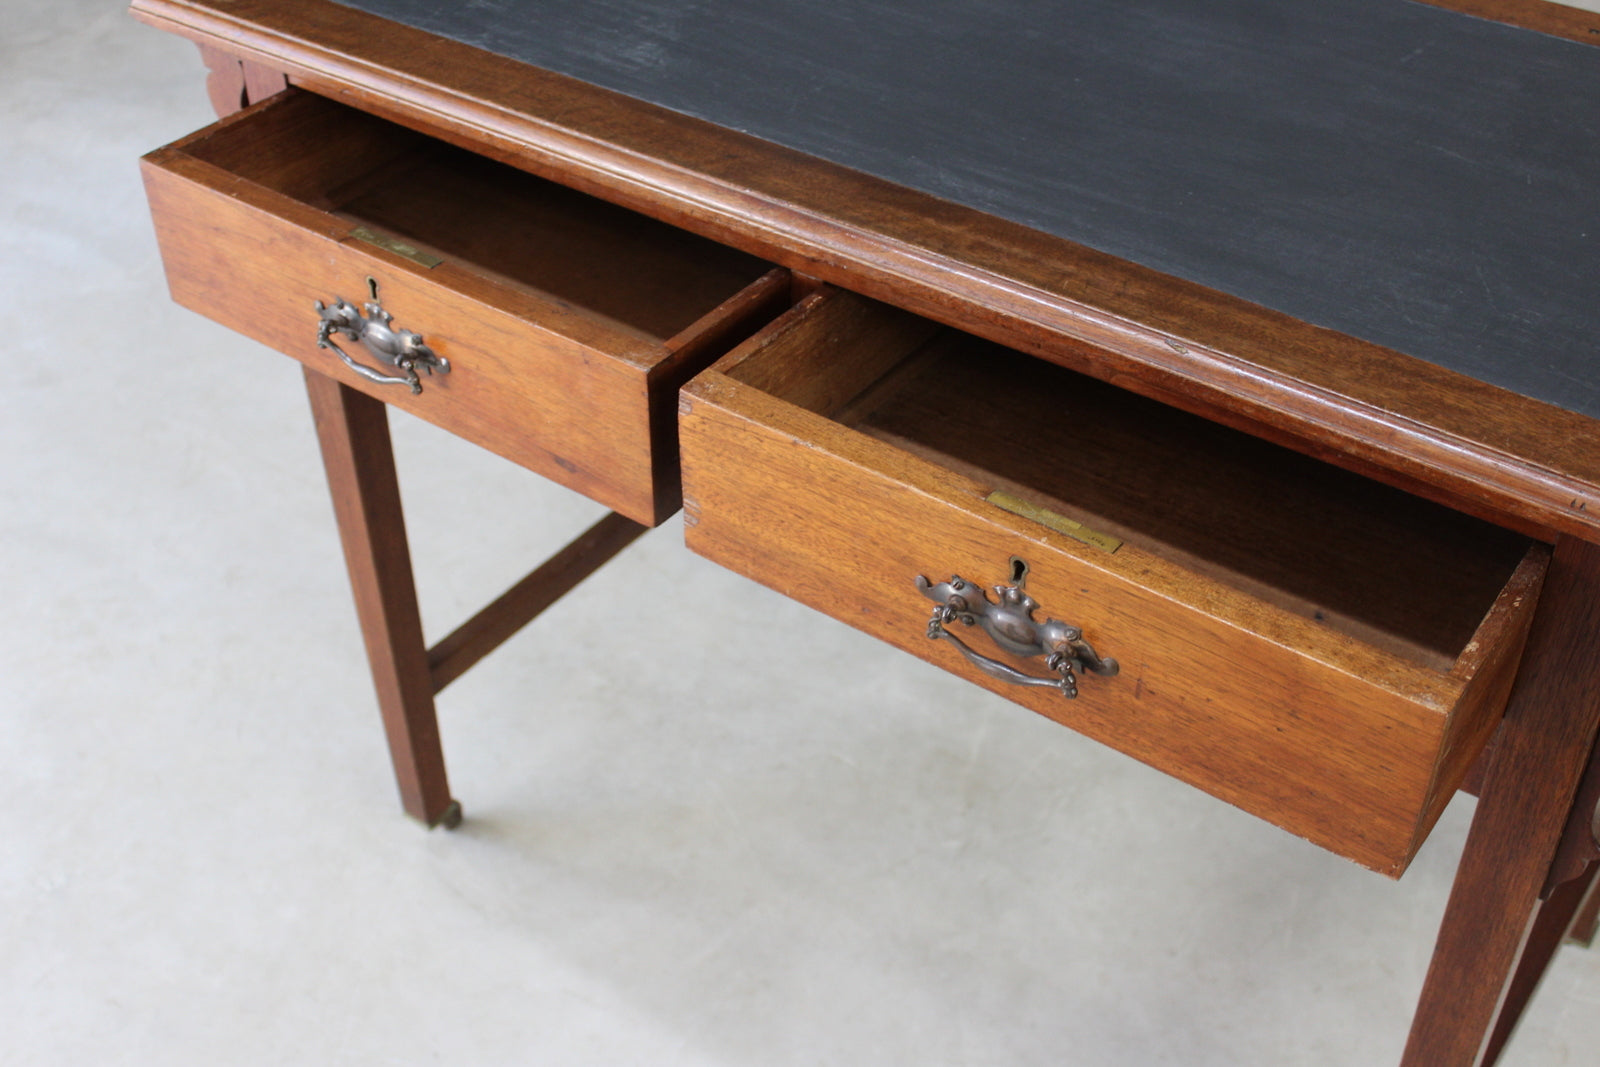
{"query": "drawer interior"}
[(482, 215), (1398, 572)]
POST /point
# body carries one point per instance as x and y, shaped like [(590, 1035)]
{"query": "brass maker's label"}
[(1059, 523), (397, 246)]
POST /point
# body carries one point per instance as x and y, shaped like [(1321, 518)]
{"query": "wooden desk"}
[(1279, 231)]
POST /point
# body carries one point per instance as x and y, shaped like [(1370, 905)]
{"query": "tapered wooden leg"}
[(354, 432), (1549, 928), (1541, 755)]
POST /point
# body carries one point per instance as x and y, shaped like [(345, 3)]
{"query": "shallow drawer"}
[(1323, 651), (567, 324)]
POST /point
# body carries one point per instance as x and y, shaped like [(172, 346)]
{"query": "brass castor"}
[(450, 818)]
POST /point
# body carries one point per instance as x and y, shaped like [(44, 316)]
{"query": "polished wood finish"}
[(1234, 588), (1554, 917), (354, 433), (1519, 463), (567, 322), (224, 80), (1580, 841), (1410, 423), (1362, 558), (519, 605), (232, 84), (1569, 908), (1558, 20), (570, 325), (261, 82), (1544, 748)]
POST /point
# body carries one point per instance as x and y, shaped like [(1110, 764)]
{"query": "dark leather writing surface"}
[(1412, 176)]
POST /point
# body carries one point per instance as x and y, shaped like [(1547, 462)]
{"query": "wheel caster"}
[(450, 817)]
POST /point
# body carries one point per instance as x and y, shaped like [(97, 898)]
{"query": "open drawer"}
[(556, 328), (1324, 651)]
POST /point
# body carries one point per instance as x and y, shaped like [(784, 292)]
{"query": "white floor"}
[(705, 826)]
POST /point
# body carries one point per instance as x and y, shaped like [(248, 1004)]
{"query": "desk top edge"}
[(1415, 423)]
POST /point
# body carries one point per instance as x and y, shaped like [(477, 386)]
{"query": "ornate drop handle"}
[(1010, 623), (374, 328)]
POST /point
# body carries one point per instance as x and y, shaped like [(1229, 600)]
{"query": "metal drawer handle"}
[(1010, 623), (402, 349)]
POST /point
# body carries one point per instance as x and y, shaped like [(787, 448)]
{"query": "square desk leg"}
[(353, 430), (1505, 913)]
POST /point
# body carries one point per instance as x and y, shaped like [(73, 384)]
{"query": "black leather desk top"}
[(1412, 176)]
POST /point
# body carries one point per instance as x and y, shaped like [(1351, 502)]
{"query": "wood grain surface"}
[(1544, 748), (1354, 746), (531, 306), (1558, 20), (1424, 428), (353, 432), (1352, 729)]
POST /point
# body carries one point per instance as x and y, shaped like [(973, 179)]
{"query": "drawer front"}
[(1343, 743), (572, 394)]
